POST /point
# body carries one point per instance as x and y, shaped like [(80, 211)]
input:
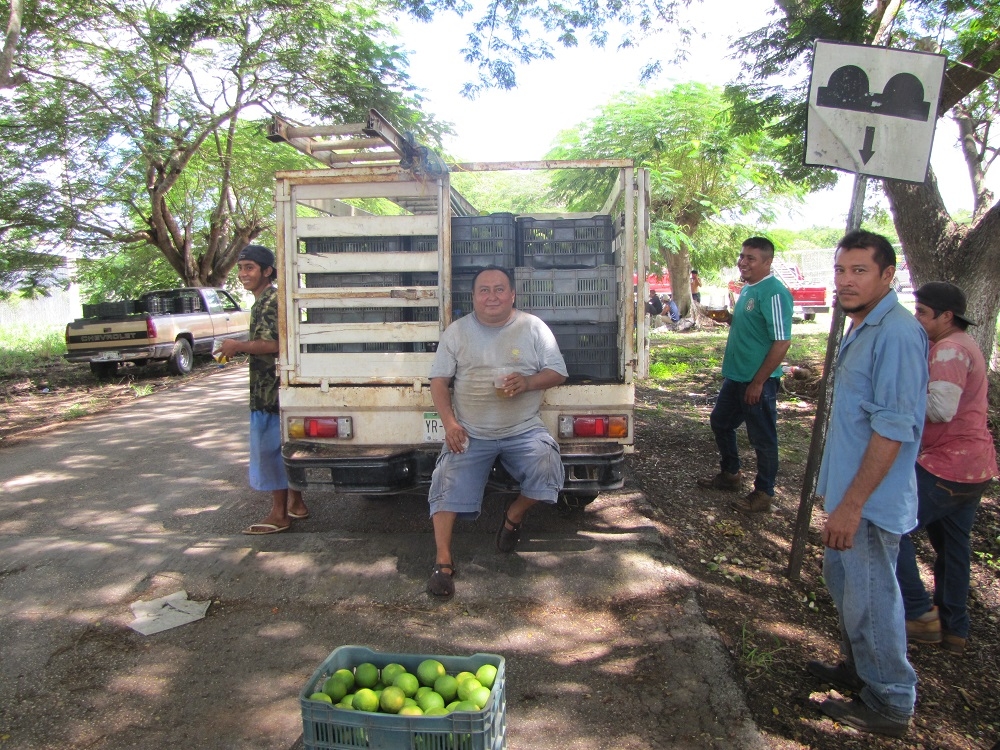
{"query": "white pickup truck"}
[(169, 325)]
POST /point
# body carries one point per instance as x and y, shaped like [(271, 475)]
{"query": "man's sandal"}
[(507, 539), (441, 583)]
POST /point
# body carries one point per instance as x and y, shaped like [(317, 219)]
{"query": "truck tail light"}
[(150, 329), (593, 426), (320, 427)]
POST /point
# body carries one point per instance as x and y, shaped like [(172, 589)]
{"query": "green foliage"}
[(123, 276), (512, 192), (705, 177), (24, 349)]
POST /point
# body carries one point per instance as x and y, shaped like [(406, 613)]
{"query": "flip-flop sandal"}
[(258, 529), (507, 539), (299, 516), (440, 583)]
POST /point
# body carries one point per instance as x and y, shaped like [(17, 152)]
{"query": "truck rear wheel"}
[(104, 369), (181, 358)]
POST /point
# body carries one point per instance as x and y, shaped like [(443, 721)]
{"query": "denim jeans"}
[(947, 510), (862, 582), (762, 428)]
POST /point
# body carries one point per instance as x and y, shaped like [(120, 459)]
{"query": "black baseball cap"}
[(943, 297), (258, 254)]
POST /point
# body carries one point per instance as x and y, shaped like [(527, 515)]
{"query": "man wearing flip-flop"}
[(487, 382), (267, 469)]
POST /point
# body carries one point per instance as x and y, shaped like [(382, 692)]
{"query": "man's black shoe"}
[(856, 714), (840, 675)]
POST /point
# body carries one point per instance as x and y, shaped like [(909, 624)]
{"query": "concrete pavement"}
[(604, 641)]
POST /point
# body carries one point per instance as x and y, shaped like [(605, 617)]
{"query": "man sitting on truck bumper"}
[(500, 361)]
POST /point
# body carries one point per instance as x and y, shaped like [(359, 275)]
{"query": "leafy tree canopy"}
[(710, 185)]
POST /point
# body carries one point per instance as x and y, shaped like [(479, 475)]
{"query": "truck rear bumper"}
[(123, 354), (378, 470)]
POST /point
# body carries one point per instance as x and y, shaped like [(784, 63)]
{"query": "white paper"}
[(166, 612)]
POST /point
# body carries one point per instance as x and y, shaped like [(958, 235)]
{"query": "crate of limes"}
[(359, 698)]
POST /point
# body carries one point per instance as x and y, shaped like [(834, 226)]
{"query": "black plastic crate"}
[(480, 241), (355, 348), (590, 349), (568, 295), (327, 280), (353, 315), (391, 244), (565, 243), (111, 309)]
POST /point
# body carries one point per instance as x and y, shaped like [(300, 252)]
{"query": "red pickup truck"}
[(807, 299)]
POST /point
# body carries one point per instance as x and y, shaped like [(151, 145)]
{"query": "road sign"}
[(872, 110)]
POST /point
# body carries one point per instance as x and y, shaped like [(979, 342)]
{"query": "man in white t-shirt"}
[(487, 382)]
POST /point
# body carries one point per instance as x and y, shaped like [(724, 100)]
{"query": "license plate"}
[(433, 428), (108, 355)]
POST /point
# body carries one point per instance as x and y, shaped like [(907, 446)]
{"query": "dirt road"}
[(604, 641)]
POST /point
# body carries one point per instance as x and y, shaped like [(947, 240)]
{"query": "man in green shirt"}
[(759, 337)]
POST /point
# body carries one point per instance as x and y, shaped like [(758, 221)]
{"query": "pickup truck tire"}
[(181, 358), (104, 369)]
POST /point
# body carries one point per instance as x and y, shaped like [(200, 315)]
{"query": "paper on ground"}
[(166, 612)]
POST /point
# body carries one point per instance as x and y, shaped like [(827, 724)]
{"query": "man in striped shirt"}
[(759, 337)]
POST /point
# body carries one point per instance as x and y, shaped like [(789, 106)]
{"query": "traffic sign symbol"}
[(872, 110)]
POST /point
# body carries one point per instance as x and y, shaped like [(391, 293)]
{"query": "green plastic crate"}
[(325, 727)]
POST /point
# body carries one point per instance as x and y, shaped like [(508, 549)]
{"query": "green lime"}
[(466, 706), (365, 700), (348, 699), (347, 676), (390, 671), (321, 697), (486, 674), (408, 683), (423, 689), (436, 712), (336, 688), (480, 696), (429, 670), (410, 702), (391, 700), (461, 676), (366, 675), (466, 688), (345, 706), (410, 711), (430, 700), (447, 686), (451, 706)]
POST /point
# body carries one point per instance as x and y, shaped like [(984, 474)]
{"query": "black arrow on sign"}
[(867, 152)]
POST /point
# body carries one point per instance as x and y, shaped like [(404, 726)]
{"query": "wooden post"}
[(822, 419)]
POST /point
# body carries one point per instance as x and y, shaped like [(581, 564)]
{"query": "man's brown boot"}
[(723, 481), (924, 629), (757, 501)]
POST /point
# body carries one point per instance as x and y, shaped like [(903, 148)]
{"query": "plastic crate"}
[(353, 315), (353, 348), (565, 243), (480, 241), (590, 349), (568, 295), (111, 309), (325, 727), (321, 280), (419, 244)]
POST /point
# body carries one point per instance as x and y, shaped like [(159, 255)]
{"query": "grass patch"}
[(27, 349)]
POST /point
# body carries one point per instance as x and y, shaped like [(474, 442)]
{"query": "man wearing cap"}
[(956, 463), (267, 469)]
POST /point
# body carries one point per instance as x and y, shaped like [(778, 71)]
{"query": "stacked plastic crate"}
[(379, 279), (478, 242), (566, 276)]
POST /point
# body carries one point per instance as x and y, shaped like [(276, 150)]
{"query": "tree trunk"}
[(679, 266), (938, 249)]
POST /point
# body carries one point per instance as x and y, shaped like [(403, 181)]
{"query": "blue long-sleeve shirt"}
[(880, 386)]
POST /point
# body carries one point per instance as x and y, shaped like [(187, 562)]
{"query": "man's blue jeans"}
[(731, 410), (947, 510), (862, 582)]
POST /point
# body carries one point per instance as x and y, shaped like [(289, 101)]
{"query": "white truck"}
[(364, 299)]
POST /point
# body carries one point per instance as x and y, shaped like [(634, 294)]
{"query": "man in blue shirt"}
[(869, 485), (759, 337)]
